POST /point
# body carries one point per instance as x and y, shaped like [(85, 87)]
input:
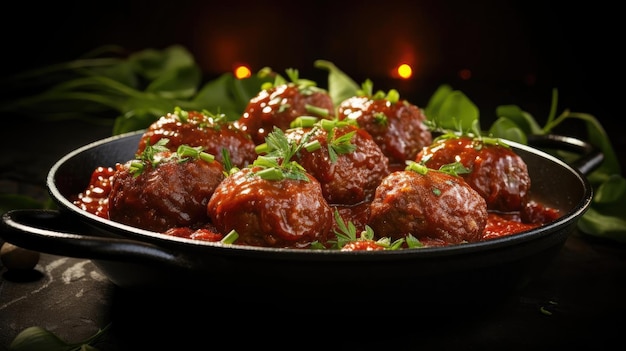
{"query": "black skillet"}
[(137, 259)]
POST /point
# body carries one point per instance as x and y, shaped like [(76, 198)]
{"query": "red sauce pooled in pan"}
[(95, 200)]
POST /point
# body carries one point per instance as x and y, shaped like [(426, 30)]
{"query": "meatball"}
[(397, 127), (212, 133), (435, 207), (280, 105), (285, 213), (497, 173), (348, 177), (166, 191)]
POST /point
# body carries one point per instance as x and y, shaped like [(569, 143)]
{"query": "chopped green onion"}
[(317, 110), (312, 146), (416, 167), (393, 96), (271, 174), (262, 148), (230, 238), (303, 122)]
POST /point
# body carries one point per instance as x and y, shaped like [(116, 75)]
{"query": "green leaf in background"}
[(151, 64), (180, 83), (601, 225), (13, 201), (340, 85), (605, 216), (228, 95), (452, 110), (507, 129), (436, 100), (520, 118)]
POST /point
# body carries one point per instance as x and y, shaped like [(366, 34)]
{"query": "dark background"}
[(516, 51)]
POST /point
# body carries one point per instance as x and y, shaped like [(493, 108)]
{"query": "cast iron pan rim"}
[(562, 223)]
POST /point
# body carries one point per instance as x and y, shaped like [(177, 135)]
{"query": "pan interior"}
[(554, 183)]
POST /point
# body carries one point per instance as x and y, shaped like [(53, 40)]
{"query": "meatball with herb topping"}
[(436, 207), (347, 162), (274, 202), (283, 213), (214, 133), (280, 104), (497, 173), (396, 125), (164, 189)]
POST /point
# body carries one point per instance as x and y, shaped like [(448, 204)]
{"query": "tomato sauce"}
[(95, 200)]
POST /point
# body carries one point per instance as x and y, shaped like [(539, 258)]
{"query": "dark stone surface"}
[(576, 303)]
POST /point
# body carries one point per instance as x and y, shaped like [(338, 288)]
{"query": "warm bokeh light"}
[(405, 71), (465, 74), (242, 71)]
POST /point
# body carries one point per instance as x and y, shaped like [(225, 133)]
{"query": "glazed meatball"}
[(194, 128), (280, 105), (164, 192), (435, 207), (397, 127), (497, 173), (286, 213), (347, 177)]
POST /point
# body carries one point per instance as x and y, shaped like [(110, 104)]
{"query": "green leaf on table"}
[(40, 339)]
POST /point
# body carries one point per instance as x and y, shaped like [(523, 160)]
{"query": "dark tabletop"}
[(577, 302)]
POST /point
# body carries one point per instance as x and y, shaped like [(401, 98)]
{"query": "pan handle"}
[(590, 156), (52, 232)]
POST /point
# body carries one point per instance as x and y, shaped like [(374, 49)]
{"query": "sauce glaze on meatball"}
[(194, 128), (437, 208), (350, 178), (497, 173), (279, 105), (170, 193), (397, 127), (287, 213)]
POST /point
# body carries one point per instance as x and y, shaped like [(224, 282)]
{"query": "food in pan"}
[(376, 173), (436, 207), (281, 103), (286, 212), (213, 132), (164, 189), (396, 125), (498, 174), (348, 163)]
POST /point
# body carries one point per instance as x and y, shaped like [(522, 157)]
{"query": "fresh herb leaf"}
[(38, 338), (277, 164)]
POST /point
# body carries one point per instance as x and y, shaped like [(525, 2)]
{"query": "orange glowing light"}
[(405, 71), (242, 72)]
